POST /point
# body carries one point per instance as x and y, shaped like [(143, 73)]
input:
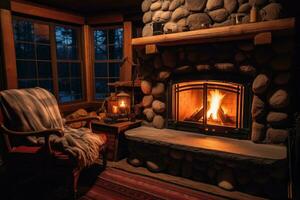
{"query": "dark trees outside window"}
[(48, 55), (108, 54)]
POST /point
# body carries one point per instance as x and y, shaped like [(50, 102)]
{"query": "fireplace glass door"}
[(208, 104)]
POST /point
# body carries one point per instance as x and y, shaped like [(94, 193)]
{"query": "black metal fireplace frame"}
[(238, 133)]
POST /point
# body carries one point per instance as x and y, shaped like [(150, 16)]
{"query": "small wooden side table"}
[(116, 142)]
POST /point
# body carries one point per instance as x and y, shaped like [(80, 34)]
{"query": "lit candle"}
[(122, 107), (122, 104), (115, 109)]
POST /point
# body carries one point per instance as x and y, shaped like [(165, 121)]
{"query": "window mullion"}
[(36, 57), (54, 61)]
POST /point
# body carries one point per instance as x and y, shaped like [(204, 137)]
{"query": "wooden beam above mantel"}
[(233, 32), (37, 10)]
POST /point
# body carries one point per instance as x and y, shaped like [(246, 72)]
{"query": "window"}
[(32, 45), (68, 64), (108, 54), (40, 48)]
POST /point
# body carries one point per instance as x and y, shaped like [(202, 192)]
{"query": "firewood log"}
[(196, 116)]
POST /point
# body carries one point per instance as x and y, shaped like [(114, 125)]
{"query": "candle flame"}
[(122, 104), (115, 109)]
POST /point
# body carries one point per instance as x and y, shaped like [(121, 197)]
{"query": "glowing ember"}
[(215, 99)]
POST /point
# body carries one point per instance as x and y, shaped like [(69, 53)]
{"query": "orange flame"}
[(122, 104), (215, 99), (115, 109)]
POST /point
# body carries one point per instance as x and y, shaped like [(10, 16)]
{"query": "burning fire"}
[(215, 100)]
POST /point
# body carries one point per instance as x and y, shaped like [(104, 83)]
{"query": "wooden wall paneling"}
[(5, 4), (87, 60), (126, 69), (105, 19), (45, 12), (9, 54)]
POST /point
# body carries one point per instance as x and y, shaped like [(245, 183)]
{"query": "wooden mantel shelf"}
[(233, 32)]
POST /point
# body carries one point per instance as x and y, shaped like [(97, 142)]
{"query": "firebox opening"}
[(211, 105)]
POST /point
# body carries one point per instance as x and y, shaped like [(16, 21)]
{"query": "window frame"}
[(107, 61), (53, 55), (35, 50), (80, 61)]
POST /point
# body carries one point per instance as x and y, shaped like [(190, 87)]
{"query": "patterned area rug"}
[(114, 184)]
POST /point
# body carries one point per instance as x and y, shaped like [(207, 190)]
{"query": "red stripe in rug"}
[(114, 184)]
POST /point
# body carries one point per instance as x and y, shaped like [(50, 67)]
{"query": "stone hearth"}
[(187, 141), (259, 169)]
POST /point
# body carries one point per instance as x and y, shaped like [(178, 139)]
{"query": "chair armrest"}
[(42, 133), (88, 120)]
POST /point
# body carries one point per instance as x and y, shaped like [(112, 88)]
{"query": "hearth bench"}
[(259, 169)]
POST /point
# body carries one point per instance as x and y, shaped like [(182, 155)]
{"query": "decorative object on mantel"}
[(237, 18), (157, 28), (253, 14)]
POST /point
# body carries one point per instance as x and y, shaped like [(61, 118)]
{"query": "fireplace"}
[(206, 106)]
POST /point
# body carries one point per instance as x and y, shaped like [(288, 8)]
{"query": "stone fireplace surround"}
[(267, 71), (232, 164), (184, 15)]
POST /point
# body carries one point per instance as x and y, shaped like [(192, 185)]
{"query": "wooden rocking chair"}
[(19, 155)]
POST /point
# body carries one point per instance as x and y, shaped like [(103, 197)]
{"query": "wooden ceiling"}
[(93, 7)]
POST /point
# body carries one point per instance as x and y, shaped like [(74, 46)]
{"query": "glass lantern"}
[(113, 107), (123, 102)]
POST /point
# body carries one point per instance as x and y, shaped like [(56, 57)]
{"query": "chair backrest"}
[(31, 109)]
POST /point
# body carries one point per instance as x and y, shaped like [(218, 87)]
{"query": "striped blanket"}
[(36, 109)]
